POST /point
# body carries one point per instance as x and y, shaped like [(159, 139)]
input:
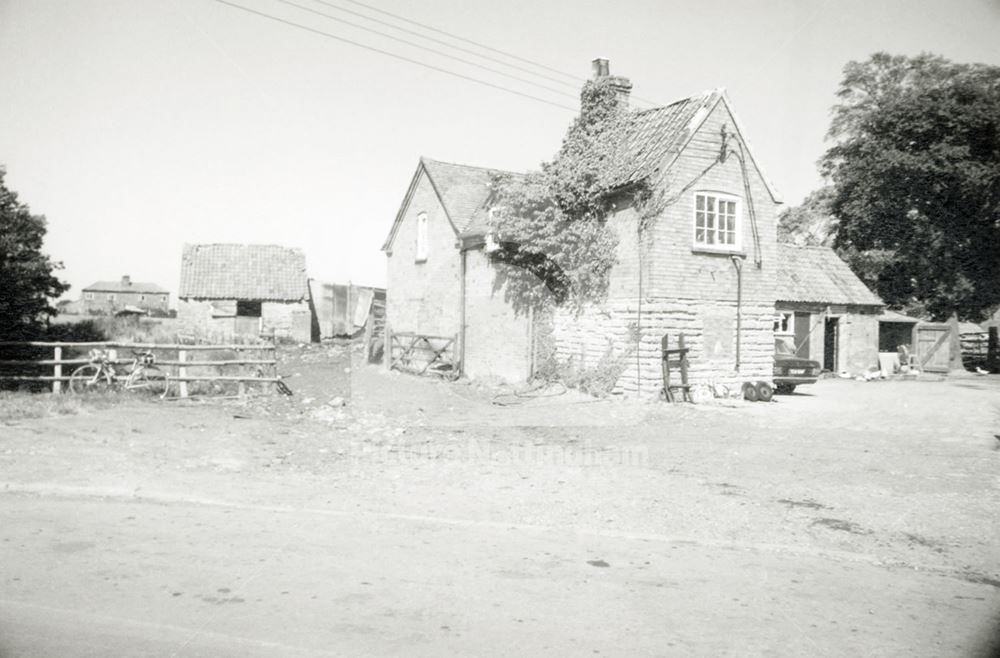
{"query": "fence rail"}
[(181, 364)]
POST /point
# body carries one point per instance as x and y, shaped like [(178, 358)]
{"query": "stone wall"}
[(709, 331), (215, 320)]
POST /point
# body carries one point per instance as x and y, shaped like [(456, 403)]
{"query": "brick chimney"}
[(621, 85), (126, 281)]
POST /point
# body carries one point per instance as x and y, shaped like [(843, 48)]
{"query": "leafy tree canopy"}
[(27, 283), (552, 224), (915, 170), (811, 223)]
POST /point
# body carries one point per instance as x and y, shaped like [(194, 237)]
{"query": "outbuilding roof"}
[(818, 275), (263, 272)]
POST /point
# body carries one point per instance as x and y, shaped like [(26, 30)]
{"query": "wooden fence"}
[(180, 364)]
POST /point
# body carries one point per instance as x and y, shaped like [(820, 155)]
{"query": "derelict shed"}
[(244, 290), (825, 310)]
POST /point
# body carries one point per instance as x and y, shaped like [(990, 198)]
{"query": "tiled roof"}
[(121, 286), (659, 132), (818, 275), (244, 272), (464, 191), (657, 137)]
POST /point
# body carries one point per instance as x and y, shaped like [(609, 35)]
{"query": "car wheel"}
[(764, 392), (749, 392)]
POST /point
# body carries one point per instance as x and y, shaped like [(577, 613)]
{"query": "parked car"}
[(791, 370)]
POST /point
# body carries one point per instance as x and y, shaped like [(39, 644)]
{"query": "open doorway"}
[(832, 328)]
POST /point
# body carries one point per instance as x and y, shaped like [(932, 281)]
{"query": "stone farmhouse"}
[(108, 297), (244, 290), (707, 266)]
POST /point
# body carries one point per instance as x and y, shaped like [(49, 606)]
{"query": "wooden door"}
[(802, 330), (932, 346)]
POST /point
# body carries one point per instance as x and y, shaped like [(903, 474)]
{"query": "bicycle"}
[(100, 374)]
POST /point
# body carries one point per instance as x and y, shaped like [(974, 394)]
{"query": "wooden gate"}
[(933, 346), (432, 355)]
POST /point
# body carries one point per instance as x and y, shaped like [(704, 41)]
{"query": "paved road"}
[(103, 576)]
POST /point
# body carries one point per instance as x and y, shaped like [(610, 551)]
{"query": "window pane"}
[(699, 202), (699, 219), (711, 203), (699, 236), (731, 207), (731, 223), (710, 220)]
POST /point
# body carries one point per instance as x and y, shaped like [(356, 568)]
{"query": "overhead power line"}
[(431, 50), (575, 78), (469, 51), (395, 55)]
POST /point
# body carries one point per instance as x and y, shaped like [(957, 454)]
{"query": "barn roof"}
[(264, 272), (819, 276)]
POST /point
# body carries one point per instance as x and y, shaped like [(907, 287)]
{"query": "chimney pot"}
[(602, 68), (126, 280)]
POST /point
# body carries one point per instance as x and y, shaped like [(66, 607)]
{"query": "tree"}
[(551, 225), (811, 223), (916, 175), (27, 283)]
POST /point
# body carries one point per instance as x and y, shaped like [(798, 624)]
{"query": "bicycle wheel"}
[(148, 380), (88, 378)]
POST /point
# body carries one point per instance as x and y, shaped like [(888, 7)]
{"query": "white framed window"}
[(717, 222), (422, 237), (89, 296), (111, 296), (784, 323), (142, 298)]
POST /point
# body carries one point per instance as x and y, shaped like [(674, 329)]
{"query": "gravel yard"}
[(422, 519)]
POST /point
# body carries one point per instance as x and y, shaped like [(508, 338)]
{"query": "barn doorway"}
[(830, 342), (248, 318)]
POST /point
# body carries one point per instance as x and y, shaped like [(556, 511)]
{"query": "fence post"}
[(57, 383), (182, 373)]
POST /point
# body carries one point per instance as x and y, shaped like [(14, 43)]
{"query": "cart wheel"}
[(749, 392), (764, 392)]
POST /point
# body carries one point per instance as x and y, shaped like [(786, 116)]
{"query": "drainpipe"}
[(738, 264)]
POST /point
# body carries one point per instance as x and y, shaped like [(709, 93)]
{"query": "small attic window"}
[(422, 237)]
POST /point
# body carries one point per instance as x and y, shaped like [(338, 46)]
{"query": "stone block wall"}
[(215, 320), (709, 330)]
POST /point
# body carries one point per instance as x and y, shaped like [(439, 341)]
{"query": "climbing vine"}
[(552, 225)]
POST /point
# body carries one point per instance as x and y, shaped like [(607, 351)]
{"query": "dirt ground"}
[(423, 518)]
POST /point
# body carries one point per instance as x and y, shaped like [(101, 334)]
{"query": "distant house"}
[(706, 266), (112, 296), (244, 290), (825, 311)]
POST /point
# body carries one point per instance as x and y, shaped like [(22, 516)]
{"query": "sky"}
[(136, 126)]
